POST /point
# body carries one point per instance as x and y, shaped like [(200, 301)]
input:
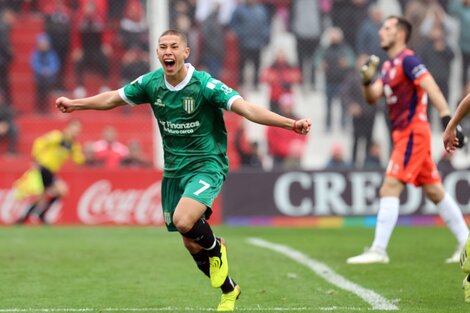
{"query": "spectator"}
[(213, 41), (363, 114), (90, 157), (136, 158), (348, 15), (133, 30), (8, 128), (135, 62), (94, 49), (109, 150), (415, 12), (14, 5), (280, 77), (461, 10), (286, 148), (205, 7), (437, 55), (116, 10), (307, 29), (373, 160), (250, 24), (248, 151), (335, 59), (181, 7), (7, 18), (58, 25), (367, 39), (337, 160), (45, 64), (185, 24)]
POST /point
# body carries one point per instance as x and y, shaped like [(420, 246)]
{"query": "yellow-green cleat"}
[(466, 289), (219, 267), (464, 257), (227, 301)]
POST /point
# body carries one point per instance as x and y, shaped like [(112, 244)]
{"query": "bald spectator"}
[(109, 150)]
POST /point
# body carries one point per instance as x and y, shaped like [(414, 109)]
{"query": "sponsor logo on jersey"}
[(210, 85), (137, 80), (159, 103), (189, 104)]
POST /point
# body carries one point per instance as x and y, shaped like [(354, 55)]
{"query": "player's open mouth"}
[(169, 64)]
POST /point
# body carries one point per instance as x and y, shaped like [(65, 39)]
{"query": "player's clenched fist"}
[(64, 105), (302, 126)]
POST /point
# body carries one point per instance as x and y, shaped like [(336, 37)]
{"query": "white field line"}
[(374, 299), (172, 309)]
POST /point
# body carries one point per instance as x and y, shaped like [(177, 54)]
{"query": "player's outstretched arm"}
[(103, 101), (266, 117), (450, 134)]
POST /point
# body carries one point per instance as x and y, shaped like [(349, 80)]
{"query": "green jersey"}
[(190, 119)]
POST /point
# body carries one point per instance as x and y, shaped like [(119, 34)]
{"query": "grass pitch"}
[(107, 269)]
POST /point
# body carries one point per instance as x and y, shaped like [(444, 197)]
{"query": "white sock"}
[(386, 221), (453, 217)]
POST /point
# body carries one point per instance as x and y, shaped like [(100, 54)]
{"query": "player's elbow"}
[(112, 100)]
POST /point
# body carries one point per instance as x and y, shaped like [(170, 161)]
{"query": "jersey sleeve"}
[(77, 154), (53, 137), (413, 68), (135, 92), (220, 94)]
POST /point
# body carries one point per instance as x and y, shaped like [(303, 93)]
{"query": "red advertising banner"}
[(98, 197)]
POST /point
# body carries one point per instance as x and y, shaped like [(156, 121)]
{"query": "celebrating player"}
[(451, 142), (450, 138), (188, 105), (406, 84)]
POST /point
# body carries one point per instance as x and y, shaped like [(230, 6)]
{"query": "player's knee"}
[(182, 223), (60, 189), (435, 193), (390, 188)]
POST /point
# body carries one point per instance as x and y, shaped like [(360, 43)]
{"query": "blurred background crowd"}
[(297, 57)]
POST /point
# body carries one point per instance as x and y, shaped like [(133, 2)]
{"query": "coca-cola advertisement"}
[(97, 197)]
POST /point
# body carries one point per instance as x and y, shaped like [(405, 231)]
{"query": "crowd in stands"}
[(108, 152), (332, 37)]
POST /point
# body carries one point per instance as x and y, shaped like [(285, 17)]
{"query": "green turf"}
[(107, 269)]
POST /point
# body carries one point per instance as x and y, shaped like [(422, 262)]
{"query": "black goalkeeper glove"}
[(458, 131)]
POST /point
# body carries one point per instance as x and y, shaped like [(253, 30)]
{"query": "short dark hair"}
[(403, 24), (176, 32)]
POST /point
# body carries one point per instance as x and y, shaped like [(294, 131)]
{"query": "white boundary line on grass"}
[(172, 309), (374, 299)]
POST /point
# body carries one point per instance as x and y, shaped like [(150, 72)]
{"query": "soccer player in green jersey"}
[(451, 143), (188, 105)]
